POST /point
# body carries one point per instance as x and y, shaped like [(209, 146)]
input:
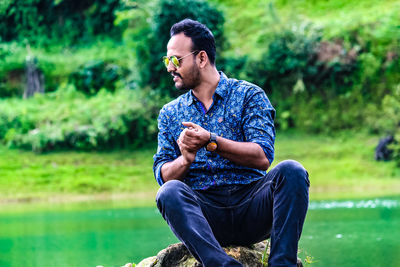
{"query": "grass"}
[(27, 176), (340, 167)]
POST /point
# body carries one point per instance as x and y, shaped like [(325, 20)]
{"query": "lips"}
[(176, 76)]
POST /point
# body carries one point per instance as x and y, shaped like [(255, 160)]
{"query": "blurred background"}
[(81, 85)]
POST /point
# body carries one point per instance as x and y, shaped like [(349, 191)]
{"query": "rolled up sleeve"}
[(258, 122)]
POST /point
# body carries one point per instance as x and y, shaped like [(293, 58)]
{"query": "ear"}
[(202, 59)]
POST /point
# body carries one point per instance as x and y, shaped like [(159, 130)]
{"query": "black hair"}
[(202, 37)]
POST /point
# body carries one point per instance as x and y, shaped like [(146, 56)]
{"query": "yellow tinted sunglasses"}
[(174, 60)]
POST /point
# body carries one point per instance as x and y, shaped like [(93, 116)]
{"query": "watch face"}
[(212, 146)]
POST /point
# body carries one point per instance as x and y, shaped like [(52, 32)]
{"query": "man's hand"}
[(195, 137), (188, 154), (191, 140)]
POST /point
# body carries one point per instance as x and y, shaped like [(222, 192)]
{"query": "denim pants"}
[(205, 220)]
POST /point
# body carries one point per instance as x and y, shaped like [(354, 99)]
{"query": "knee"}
[(294, 173), (169, 192)]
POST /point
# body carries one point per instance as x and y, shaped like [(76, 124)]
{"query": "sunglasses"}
[(174, 60)]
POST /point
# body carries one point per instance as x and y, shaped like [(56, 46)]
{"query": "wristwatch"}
[(212, 144)]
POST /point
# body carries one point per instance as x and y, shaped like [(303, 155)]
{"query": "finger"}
[(189, 149), (182, 133), (192, 142), (184, 147), (192, 133), (189, 124)]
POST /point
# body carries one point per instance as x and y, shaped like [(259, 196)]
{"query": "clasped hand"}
[(191, 140)]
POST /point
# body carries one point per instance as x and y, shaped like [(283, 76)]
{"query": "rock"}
[(146, 262), (177, 255), (382, 152)]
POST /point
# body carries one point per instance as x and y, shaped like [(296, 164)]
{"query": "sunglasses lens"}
[(175, 61), (166, 61)]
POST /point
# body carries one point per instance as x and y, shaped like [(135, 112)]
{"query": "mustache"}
[(176, 74)]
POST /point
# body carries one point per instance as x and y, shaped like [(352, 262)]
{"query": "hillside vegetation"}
[(327, 66), (245, 20)]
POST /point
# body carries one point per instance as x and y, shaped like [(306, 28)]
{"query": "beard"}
[(191, 79)]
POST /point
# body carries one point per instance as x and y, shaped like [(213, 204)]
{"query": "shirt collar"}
[(221, 90)]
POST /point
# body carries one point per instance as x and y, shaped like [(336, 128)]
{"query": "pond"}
[(336, 233)]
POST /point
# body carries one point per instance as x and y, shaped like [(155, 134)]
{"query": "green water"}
[(344, 233)]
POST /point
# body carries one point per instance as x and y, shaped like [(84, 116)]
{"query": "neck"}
[(205, 90)]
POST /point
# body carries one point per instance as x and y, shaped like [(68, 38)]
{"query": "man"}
[(215, 144)]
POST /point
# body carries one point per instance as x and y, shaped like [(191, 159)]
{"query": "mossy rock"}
[(177, 255)]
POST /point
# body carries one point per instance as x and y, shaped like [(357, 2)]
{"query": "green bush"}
[(297, 66), (40, 21), (386, 120), (321, 78), (95, 75), (69, 120), (58, 63), (320, 84)]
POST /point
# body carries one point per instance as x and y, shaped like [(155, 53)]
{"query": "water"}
[(353, 233), (336, 233)]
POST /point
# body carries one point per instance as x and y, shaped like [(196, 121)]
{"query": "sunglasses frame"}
[(172, 58)]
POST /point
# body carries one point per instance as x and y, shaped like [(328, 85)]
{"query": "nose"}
[(171, 67)]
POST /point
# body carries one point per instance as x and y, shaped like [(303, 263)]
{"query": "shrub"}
[(95, 75), (384, 119), (39, 21), (69, 120), (298, 67)]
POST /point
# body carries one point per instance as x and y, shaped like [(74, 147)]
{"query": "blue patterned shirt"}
[(240, 112)]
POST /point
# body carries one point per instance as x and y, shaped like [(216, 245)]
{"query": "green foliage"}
[(95, 75), (68, 120), (3, 51), (151, 41), (265, 255), (309, 260), (289, 56), (317, 83), (385, 120), (297, 67), (331, 66), (38, 21), (58, 63)]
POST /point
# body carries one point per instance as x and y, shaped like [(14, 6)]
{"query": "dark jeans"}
[(274, 206)]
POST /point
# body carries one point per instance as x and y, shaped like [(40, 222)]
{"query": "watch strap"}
[(212, 144), (213, 137)]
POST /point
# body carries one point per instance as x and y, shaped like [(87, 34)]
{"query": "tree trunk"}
[(34, 79)]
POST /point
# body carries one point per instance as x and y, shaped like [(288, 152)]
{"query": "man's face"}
[(187, 75)]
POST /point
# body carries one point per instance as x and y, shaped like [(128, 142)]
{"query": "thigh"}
[(252, 220), (217, 214)]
